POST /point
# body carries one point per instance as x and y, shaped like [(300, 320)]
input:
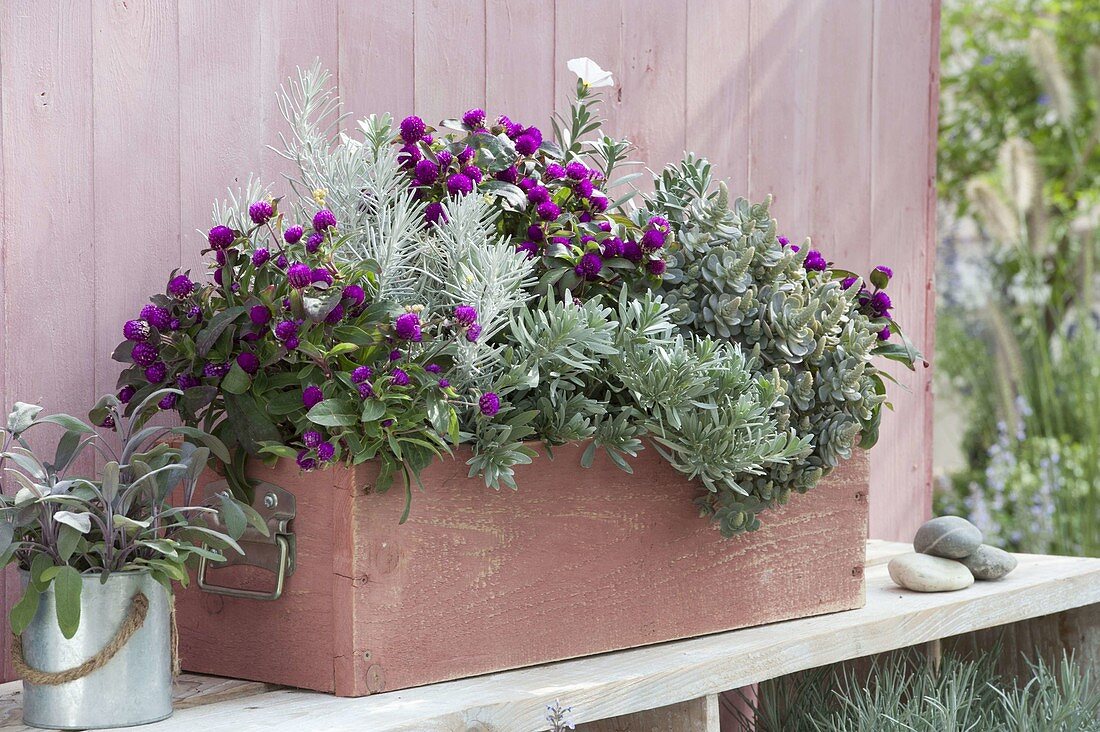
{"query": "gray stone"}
[(948, 536), (989, 563), (926, 573)]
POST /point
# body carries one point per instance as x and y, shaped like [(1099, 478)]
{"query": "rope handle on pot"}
[(139, 609)]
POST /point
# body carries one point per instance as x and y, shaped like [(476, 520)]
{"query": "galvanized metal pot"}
[(135, 687)]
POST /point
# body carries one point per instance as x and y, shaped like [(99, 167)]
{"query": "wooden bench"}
[(673, 686)]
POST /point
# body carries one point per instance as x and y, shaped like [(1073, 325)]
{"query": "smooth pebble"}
[(989, 563), (951, 537), (926, 573)]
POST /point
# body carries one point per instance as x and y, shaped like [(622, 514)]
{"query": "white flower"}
[(590, 72)]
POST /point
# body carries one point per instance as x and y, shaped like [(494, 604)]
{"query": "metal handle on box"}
[(275, 552), (280, 578)]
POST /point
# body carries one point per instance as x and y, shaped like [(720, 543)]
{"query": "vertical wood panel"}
[(221, 116), (594, 30), (718, 87), (135, 127), (293, 34), (450, 58), (903, 141), (519, 61), (48, 349), (377, 62)]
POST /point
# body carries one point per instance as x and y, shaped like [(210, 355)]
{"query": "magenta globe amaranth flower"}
[(783, 241), (473, 173), (293, 234), (286, 330), (465, 315), (508, 175), (584, 189), (312, 396), (281, 261), (443, 383), (660, 223), (399, 378), (445, 159), (884, 334), (299, 275), (187, 381), (260, 212), (538, 194), (631, 251), (426, 172), (291, 343), (305, 462), (885, 270), (126, 393), (576, 170), (311, 438), (489, 404), (324, 219), (848, 282), (589, 266), (168, 401), (434, 213), (180, 286), (314, 242), (554, 171), (361, 374), (409, 156), (412, 129), (407, 327), (459, 185), (354, 296), (220, 237), (326, 451), (156, 372), (135, 330), (612, 246), (259, 315), (656, 267), (528, 248), (108, 422), (249, 362), (474, 118), (526, 145), (815, 262), (466, 155), (652, 240), (366, 391), (473, 333), (156, 316), (335, 315), (260, 257), (320, 274), (395, 354), (880, 303), (433, 368), (144, 354), (548, 211)]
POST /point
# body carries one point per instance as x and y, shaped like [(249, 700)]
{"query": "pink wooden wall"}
[(123, 119)]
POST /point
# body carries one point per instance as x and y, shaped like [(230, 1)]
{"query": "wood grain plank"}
[(377, 63), (135, 126), (520, 61), (221, 115), (718, 87), (594, 30), (694, 715), (618, 683), (48, 352), (577, 562), (293, 34), (450, 58), (903, 140), (653, 80)]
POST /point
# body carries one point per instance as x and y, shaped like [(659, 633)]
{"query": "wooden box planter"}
[(576, 562)]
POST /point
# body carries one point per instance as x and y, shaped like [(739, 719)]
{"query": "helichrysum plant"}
[(482, 282), (58, 526)]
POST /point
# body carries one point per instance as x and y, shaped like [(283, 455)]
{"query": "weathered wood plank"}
[(135, 127), (47, 281), (377, 63), (902, 235), (450, 58), (520, 62), (694, 715), (619, 683)]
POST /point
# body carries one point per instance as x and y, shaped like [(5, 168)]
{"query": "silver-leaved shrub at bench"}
[(483, 283)]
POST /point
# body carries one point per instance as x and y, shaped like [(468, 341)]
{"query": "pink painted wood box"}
[(576, 562)]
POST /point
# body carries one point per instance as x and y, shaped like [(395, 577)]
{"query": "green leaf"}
[(82, 522), (280, 450), (67, 540), (7, 532), (249, 423), (23, 612), (236, 381), (340, 349), (66, 590), (373, 409), (207, 440), (22, 416), (333, 413), (208, 336), (110, 480), (233, 517), (67, 448), (70, 423)]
